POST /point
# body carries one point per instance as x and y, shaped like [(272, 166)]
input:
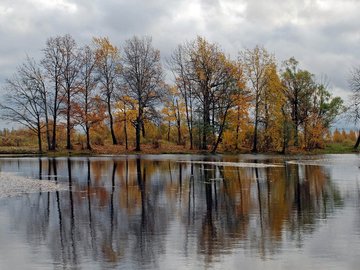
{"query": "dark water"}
[(154, 212)]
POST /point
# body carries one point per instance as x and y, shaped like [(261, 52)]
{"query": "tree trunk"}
[(169, 129), (188, 104), (53, 143), (206, 117), (143, 129), (137, 133), (285, 132), (39, 136), (255, 140), (48, 140), (296, 122), (357, 141), (114, 140), (219, 139), (178, 121), (179, 133), (68, 124), (237, 128), (88, 145), (139, 125), (125, 130)]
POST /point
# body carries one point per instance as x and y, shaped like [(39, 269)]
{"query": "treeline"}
[(214, 101)]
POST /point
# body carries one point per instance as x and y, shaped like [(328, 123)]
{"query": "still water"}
[(179, 212)]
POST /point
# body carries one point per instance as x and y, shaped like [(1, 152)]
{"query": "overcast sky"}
[(323, 35)]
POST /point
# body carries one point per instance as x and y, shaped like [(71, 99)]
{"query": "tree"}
[(353, 110), (143, 78), (53, 63), (88, 108), (229, 91), (256, 63), (323, 109), (271, 114), (32, 70), (337, 136), (69, 78), (173, 111), (207, 80), (126, 113), (298, 85), (23, 100), (180, 65), (108, 67)]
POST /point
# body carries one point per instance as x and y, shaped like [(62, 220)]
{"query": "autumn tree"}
[(88, 107), (298, 85), (239, 120), (180, 65), (207, 80), (323, 109), (337, 136), (126, 114), (23, 101), (256, 62), (229, 90), (173, 111), (143, 78), (108, 67), (313, 109), (352, 135), (271, 107)]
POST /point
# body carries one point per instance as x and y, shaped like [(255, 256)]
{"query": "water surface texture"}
[(184, 212)]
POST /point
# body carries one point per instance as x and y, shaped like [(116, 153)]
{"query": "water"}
[(178, 212)]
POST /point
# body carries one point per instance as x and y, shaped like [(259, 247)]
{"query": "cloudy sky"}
[(324, 35)]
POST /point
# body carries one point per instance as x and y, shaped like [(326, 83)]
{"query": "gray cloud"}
[(322, 34)]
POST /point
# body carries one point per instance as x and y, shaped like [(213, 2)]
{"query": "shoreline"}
[(28, 152)]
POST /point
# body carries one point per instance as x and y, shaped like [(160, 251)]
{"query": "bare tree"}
[(87, 109), (53, 63), (143, 77), (23, 100), (353, 110), (108, 67), (69, 79), (179, 65), (32, 70)]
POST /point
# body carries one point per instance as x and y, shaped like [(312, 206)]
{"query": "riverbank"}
[(332, 148)]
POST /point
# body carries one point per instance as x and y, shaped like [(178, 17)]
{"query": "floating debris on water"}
[(14, 185), (234, 164)]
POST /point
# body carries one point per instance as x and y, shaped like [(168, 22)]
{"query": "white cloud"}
[(59, 5)]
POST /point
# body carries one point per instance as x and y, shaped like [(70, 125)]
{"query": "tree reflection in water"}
[(123, 211)]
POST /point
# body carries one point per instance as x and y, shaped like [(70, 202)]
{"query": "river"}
[(183, 212)]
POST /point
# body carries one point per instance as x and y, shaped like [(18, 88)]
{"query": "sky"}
[(323, 35)]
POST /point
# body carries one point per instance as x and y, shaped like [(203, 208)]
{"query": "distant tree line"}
[(214, 100)]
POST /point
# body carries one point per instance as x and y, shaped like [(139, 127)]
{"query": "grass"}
[(26, 150), (337, 148), (163, 148)]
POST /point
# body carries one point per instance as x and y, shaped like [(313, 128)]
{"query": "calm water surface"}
[(175, 212)]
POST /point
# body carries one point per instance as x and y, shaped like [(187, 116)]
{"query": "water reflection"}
[(124, 211)]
